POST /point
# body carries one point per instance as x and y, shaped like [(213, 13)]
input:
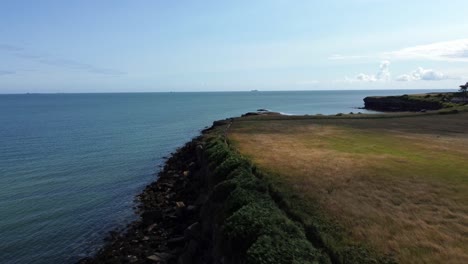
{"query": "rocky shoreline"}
[(183, 213), (212, 205), (168, 228)]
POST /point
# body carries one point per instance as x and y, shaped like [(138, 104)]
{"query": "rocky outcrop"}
[(400, 103)]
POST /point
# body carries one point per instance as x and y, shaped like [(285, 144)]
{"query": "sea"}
[(72, 164)]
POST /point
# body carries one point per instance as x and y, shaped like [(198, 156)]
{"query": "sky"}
[(204, 45)]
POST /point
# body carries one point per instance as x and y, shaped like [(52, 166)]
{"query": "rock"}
[(154, 258), (132, 259), (151, 227), (399, 103), (251, 114), (151, 216), (159, 257), (170, 195), (167, 184), (199, 153), (193, 231), (190, 252), (160, 234), (191, 208), (176, 241)]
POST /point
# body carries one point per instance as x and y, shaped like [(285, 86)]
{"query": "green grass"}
[(253, 228), (403, 155), (367, 189)]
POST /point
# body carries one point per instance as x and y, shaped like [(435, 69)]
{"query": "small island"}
[(347, 188)]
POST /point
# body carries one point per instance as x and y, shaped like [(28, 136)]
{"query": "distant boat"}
[(254, 90)]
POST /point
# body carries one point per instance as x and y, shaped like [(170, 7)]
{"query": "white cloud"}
[(382, 75), (384, 72), (366, 78), (456, 50), (404, 78), (425, 75)]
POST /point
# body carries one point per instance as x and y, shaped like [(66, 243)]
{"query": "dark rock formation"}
[(400, 104)]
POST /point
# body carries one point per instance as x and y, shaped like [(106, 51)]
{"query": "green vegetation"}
[(254, 229), (262, 222), (417, 102), (367, 189), (464, 89)]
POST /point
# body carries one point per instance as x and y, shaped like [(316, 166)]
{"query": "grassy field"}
[(397, 185)]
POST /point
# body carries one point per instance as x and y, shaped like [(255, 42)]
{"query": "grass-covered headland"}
[(417, 102), (260, 221), (368, 188), (267, 188)]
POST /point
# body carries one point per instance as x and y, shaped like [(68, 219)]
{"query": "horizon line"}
[(228, 91)]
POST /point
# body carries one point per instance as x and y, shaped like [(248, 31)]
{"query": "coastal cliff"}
[(212, 205), (207, 206), (403, 103)]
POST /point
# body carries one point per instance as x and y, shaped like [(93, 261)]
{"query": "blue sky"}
[(137, 46)]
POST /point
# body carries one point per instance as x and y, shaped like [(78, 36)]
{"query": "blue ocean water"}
[(71, 164)]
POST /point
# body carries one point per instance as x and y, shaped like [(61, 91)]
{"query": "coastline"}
[(183, 214), (202, 209), (168, 212)]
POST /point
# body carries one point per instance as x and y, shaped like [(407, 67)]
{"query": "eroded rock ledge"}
[(401, 103)]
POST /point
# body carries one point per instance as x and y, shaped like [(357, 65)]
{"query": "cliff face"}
[(400, 104), (212, 205), (208, 206)]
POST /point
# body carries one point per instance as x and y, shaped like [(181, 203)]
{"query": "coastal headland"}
[(415, 102), (347, 188)]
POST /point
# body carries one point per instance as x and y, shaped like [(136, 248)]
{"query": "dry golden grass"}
[(399, 184)]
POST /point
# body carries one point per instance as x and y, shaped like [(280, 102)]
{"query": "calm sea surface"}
[(71, 164)]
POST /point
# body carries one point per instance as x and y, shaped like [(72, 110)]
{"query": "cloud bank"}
[(456, 50), (424, 75), (384, 75)]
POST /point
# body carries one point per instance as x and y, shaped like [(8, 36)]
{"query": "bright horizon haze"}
[(158, 46)]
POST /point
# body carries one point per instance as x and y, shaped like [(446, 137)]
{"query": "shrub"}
[(274, 249), (253, 228), (217, 152), (241, 197), (231, 163)]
